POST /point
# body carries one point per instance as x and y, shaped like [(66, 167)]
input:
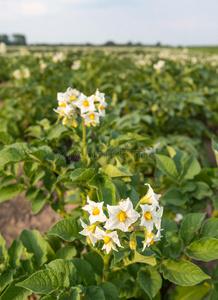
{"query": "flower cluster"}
[(21, 74), (159, 65), (124, 218), (72, 102)]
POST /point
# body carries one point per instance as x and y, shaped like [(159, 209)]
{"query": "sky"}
[(171, 22)]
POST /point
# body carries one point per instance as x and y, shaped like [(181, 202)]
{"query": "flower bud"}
[(132, 242)]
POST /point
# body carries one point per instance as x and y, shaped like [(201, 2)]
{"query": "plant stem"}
[(84, 143), (62, 211)]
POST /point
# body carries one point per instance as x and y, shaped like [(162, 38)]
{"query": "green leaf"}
[(15, 251), (14, 292), (167, 166), (74, 294), (36, 176), (174, 196), (96, 261), (7, 179), (106, 190), (190, 292), (66, 252), (214, 292), (190, 225), (45, 282), (66, 229), (215, 149), (202, 190), (5, 138), (205, 249), (56, 131), (182, 272), (191, 168), (3, 250), (110, 291), (134, 197), (10, 191), (94, 293), (34, 243), (210, 228), (114, 172), (150, 281), (139, 258), (9, 155), (39, 201), (82, 174), (63, 266), (85, 270), (5, 279), (175, 243)]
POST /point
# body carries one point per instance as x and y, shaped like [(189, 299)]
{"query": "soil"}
[(16, 215)]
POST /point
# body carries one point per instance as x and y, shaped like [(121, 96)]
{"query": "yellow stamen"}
[(72, 98), (106, 239), (122, 216), (96, 211), (63, 104), (92, 116), (86, 103), (152, 242), (87, 125), (102, 107), (148, 216), (91, 228)]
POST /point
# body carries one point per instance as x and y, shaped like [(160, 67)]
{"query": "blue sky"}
[(174, 22)]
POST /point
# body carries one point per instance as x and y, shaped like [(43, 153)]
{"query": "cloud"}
[(34, 8)]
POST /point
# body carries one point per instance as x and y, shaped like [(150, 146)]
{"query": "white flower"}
[(95, 211), (149, 216), (76, 65), (91, 117), (89, 231), (58, 57), (121, 216), (178, 218), (99, 97), (72, 94), (159, 65), (151, 197), (150, 239), (17, 74), (26, 73), (159, 214), (101, 108), (110, 239), (152, 150), (3, 48), (85, 104), (42, 65)]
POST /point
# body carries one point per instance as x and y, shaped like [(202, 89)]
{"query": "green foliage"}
[(155, 131), (182, 272)]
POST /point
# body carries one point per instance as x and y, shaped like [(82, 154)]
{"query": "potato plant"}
[(127, 145)]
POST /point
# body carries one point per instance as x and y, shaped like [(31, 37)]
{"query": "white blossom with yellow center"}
[(85, 104), (121, 216), (150, 197), (149, 216), (89, 232), (110, 239), (95, 210), (91, 117), (150, 238)]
